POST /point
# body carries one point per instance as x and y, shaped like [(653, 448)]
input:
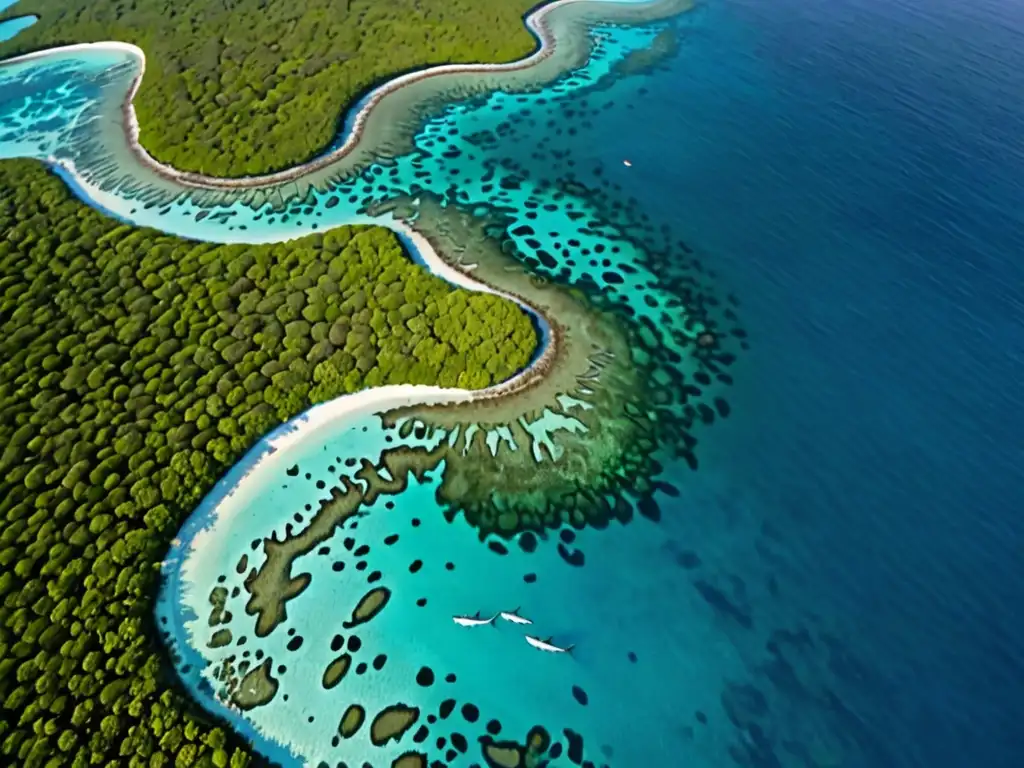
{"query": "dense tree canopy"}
[(243, 87), (135, 368)]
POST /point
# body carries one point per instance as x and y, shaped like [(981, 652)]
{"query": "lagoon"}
[(11, 27)]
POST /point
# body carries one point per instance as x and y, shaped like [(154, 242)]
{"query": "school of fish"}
[(513, 617)]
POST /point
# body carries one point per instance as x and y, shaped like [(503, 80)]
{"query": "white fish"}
[(546, 645), (627, 163), (514, 617), (474, 620)]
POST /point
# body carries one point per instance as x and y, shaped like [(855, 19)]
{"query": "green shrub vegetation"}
[(135, 368), (243, 87)]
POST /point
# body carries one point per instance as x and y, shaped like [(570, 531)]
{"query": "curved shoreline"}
[(214, 510), (353, 127), (383, 398), (534, 23)]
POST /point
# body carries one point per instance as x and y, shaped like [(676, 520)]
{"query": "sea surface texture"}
[(834, 578)]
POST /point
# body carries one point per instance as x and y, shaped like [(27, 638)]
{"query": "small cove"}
[(9, 28)]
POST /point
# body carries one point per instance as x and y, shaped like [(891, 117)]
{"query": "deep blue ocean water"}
[(853, 171)]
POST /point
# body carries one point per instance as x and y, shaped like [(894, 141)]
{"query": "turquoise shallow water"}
[(11, 27), (837, 585), (459, 157), (609, 612)]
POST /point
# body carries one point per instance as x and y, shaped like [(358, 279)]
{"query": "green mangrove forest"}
[(245, 87), (135, 369)]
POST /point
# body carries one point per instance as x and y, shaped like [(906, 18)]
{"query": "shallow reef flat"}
[(548, 448)]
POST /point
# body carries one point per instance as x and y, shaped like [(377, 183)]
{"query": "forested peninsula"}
[(246, 87), (136, 368)]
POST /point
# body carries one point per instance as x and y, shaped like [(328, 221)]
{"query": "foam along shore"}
[(381, 122)]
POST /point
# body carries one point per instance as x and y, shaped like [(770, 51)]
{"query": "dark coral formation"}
[(639, 363)]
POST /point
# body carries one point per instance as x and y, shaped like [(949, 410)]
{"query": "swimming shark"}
[(546, 645), (514, 617), (474, 620)]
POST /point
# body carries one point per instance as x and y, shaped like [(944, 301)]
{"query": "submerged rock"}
[(351, 721), (392, 722), (257, 688)]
